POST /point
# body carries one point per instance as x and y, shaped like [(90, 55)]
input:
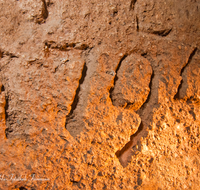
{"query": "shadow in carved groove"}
[(116, 77), (124, 153), (132, 5), (8, 129), (179, 95), (45, 12), (145, 112), (76, 99)]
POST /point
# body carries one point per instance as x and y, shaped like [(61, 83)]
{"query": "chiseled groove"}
[(76, 98), (177, 95), (45, 12), (116, 77), (8, 129), (141, 132), (162, 33), (129, 145), (148, 97), (132, 5)]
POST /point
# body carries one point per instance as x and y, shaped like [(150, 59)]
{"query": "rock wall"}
[(99, 94)]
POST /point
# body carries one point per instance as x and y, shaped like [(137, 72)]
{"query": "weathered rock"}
[(132, 86), (75, 115)]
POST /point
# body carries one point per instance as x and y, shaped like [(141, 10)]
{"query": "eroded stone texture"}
[(132, 86), (43, 53), (189, 87), (45, 86)]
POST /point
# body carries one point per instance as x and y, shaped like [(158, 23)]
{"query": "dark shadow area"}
[(8, 129), (45, 12), (2, 88), (1, 53), (22, 188), (132, 5), (137, 23), (193, 114), (76, 99), (178, 94), (116, 77), (130, 144), (162, 33), (139, 179), (6, 108)]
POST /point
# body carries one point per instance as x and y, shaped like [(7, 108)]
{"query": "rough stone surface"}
[(99, 94), (132, 88)]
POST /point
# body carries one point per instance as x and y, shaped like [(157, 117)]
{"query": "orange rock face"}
[(132, 88), (99, 94)]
